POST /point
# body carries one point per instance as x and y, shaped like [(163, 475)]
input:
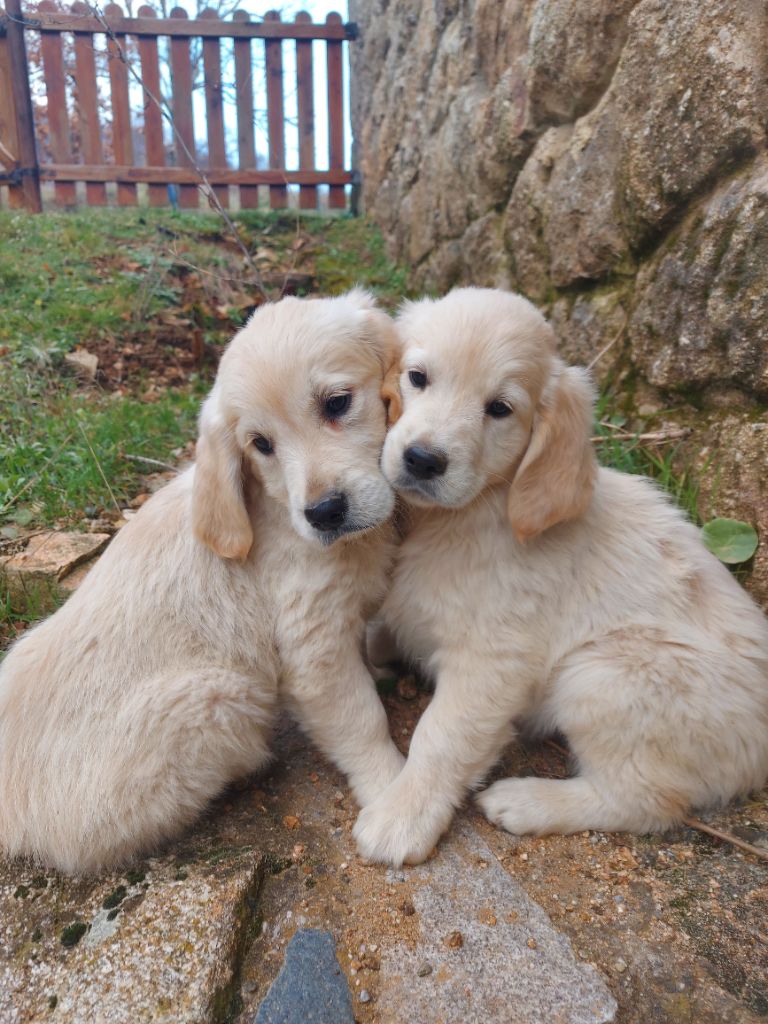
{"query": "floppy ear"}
[(380, 330), (554, 481), (219, 516), (390, 393)]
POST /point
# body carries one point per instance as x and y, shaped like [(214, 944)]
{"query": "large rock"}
[(160, 943), (605, 157), (450, 100), (690, 93), (728, 457), (440, 114), (573, 52), (702, 316)]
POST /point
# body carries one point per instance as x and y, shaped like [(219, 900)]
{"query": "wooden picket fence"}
[(22, 169)]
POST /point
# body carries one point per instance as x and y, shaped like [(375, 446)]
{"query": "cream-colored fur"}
[(154, 686), (536, 588)]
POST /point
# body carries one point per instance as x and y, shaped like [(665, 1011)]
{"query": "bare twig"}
[(609, 346), (151, 462), (295, 257), (101, 471), (556, 746), (657, 437), (167, 114), (201, 270), (726, 837)]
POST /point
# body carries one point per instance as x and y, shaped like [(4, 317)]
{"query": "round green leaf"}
[(730, 540)]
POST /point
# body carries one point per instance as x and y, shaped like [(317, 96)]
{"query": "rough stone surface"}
[(729, 455), (167, 956), (701, 319), (496, 955), (605, 157), (671, 926), (50, 567), (54, 555), (310, 988)]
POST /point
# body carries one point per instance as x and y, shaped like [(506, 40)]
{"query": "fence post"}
[(25, 191)]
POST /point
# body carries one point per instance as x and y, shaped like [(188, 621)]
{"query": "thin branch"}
[(726, 837), (609, 346), (295, 257), (101, 471), (167, 114), (151, 462), (560, 749), (657, 437)]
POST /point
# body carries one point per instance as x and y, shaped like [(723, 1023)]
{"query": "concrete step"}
[(481, 932)]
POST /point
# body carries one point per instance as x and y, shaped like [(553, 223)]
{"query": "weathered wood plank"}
[(145, 25), (122, 140), (153, 117), (187, 176), (246, 143), (305, 93), (214, 114), (183, 118), (273, 49), (86, 98), (56, 99), (336, 196)]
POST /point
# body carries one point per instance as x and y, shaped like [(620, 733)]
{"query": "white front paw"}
[(388, 831), (505, 803)]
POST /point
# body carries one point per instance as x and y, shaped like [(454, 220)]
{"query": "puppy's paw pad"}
[(502, 807), (385, 837)]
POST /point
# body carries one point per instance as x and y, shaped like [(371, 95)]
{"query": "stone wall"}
[(608, 159)]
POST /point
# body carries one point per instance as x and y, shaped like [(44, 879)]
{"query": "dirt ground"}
[(675, 923)]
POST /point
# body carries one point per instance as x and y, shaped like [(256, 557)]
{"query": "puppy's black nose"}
[(327, 514), (424, 464)]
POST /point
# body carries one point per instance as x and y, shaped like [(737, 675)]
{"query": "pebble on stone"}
[(407, 688), (455, 940), (310, 985)]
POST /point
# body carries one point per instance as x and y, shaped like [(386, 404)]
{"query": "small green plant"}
[(115, 898), (71, 935), (732, 541)]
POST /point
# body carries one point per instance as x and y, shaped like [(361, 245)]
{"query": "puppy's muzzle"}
[(330, 513), (423, 463)]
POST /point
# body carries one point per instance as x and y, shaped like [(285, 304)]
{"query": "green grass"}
[(119, 278), (630, 455), (63, 453), (72, 279)]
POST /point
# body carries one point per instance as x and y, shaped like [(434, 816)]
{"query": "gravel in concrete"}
[(310, 988), (494, 954)]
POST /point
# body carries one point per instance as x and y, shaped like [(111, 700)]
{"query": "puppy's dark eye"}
[(418, 379), (498, 409), (263, 444), (335, 406)]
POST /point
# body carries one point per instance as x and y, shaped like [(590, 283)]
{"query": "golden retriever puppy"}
[(246, 578), (535, 587)]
